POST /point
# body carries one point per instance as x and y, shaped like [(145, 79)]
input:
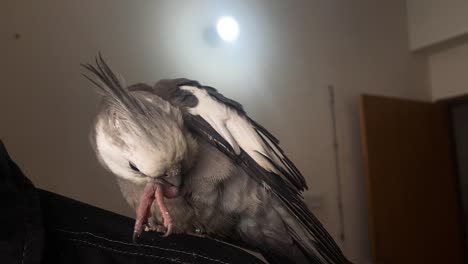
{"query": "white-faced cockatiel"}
[(207, 165)]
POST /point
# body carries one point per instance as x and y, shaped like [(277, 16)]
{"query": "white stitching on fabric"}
[(124, 252), (24, 250), (144, 245)]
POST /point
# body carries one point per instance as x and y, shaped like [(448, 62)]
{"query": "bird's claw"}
[(135, 236), (168, 231)]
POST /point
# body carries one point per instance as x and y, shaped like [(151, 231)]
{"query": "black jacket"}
[(37, 226)]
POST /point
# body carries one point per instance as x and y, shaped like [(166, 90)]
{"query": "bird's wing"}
[(224, 123)]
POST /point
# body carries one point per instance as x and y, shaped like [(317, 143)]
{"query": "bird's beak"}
[(173, 180), (172, 177)]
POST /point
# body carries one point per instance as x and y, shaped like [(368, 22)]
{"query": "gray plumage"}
[(222, 172)]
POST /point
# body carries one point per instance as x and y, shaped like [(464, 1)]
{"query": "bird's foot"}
[(163, 209), (146, 200)]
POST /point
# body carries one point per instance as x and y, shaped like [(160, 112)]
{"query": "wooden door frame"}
[(450, 103)]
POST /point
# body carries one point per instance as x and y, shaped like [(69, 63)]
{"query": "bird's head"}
[(142, 149), (138, 136)]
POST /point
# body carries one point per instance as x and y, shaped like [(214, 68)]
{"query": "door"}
[(413, 204)]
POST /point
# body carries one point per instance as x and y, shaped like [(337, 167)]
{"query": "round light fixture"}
[(228, 28)]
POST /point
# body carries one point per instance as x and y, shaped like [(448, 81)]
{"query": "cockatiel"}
[(209, 167)]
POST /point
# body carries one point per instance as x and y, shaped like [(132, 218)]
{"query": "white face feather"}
[(150, 161), (114, 157)]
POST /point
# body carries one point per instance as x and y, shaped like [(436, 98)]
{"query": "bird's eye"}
[(133, 167)]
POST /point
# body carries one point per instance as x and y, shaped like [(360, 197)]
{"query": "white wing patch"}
[(234, 128)]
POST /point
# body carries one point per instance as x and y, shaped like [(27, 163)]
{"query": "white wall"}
[(434, 21), (441, 27), (449, 71), (287, 54)]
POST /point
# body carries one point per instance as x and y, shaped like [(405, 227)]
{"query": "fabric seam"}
[(143, 245)]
